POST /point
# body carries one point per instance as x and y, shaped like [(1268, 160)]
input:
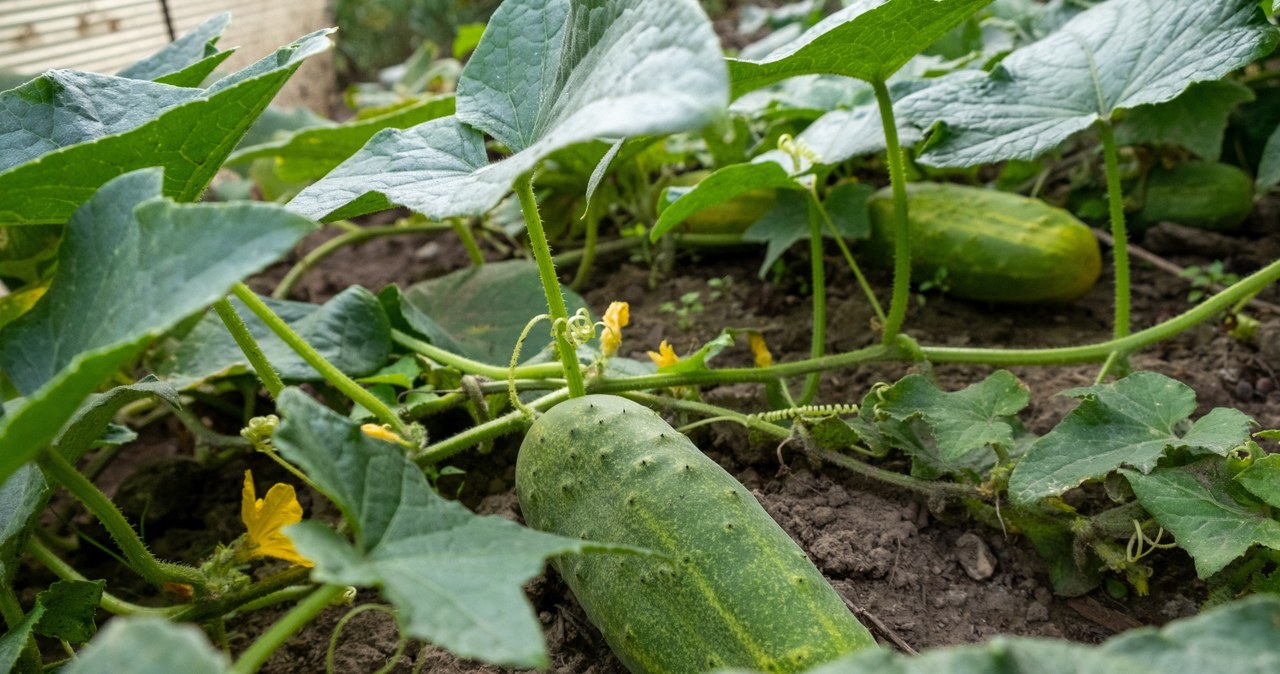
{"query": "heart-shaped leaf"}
[(66, 133), (868, 40), (132, 265), (547, 74), (723, 185), (1117, 55), (455, 577), (1127, 423)]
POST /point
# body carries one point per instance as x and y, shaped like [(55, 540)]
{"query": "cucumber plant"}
[(128, 295)]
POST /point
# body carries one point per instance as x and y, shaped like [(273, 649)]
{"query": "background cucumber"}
[(734, 589), (1202, 194), (996, 246)]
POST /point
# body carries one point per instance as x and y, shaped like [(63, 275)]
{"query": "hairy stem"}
[(588, 248), (1120, 243), (469, 366), (110, 603), (550, 284), (901, 230), (818, 343), (252, 659), (333, 375), (853, 264), (463, 230), (249, 346), (156, 572)]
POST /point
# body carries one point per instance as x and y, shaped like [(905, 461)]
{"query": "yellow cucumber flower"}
[(616, 318), (664, 356), (759, 349), (381, 433), (264, 518)]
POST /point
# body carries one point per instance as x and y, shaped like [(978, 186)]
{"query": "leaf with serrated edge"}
[(547, 74), (1117, 55), (67, 133), (148, 646), (868, 40), (1192, 503), (69, 607), (114, 291), (1196, 119), (187, 60), (963, 422), (454, 577), (722, 185), (351, 331), (1127, 423)]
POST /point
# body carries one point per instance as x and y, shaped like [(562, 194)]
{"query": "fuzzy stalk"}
[(249, 346), (901, 229), (1120, 246)]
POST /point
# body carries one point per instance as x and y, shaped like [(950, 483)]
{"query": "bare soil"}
[(917, 576)]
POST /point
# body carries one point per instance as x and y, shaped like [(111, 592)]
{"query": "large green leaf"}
[(482, 310), (723, 185), (1262, 479), (1241, 638), (133, 264), (350, 330), (66, 133), (149, 646), (310, 153), (964, 424), (455, 577), (1127, 423), (547, 74), (868, 40), (1196, 119), (840, 135), (1117, 55), (1269, 167), (1194, 504), (187, 61)]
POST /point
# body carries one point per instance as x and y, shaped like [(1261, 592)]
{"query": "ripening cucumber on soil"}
[(730, 589)]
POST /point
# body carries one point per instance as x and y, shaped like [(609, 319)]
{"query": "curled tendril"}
[(1140, 545), (515, 358), (578, 328), (797, 149), (815, 412)]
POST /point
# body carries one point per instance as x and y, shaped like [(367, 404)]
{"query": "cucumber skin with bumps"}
[(731, 590), (995, 246)]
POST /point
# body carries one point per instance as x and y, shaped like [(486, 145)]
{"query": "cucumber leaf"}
[(149, 646), (454, 577), (113, 293), (1269, 167), (1242, 638), (67, 133), (350, 330), (1196, 119), (1130, 422), (868, 40), (308, 154), (1262, 479), (722, 185), (69, 607), (547, 74), (781, 227), (479, 312), (1117, 55), (187, 61), (964, 424), (1194, 504), (15, 639)]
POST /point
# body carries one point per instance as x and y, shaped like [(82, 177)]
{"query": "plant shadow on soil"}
[(931, 578)]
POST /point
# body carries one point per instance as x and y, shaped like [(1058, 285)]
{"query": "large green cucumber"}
[(1200, 194), (995, 246), (731, 590)]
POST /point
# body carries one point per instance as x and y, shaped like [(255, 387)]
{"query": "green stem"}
[(1120, 244), (469, 366), (951, 490), (507, 423), (238, 600), (901, 230), (347, 238), (156, 572), (853, 264), (110, 603), (550, 284), (463, 230), (249, 346), (252, 659), (333, 375), (818, 339), (588, 248)]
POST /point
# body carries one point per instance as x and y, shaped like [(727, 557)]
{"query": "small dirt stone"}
[(975, 557), (1037, 613)]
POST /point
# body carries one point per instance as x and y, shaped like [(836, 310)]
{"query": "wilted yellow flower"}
[(381, 433), (759, 349), (664, 356), (264, 519), (616, 318)]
